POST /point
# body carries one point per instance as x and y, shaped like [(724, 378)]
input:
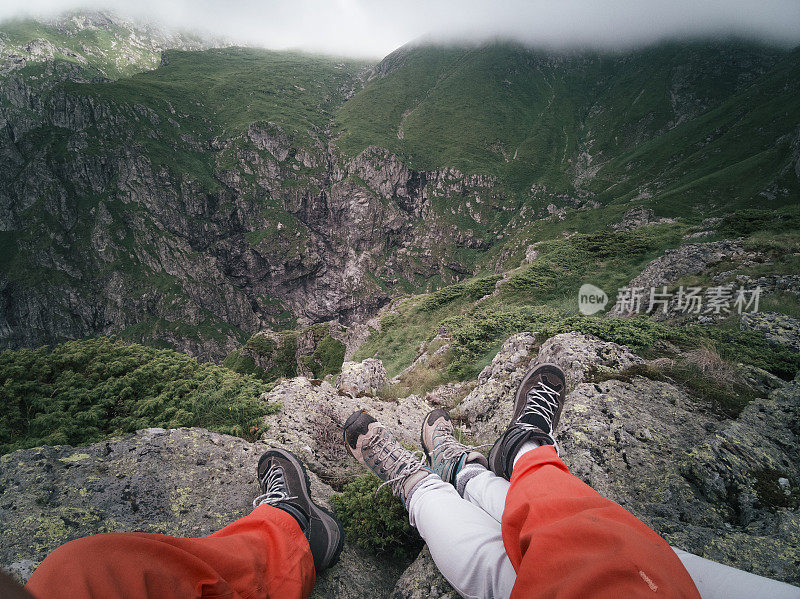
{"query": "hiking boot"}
[(376, 448), (537, 408), (447, 456), (284, 484)]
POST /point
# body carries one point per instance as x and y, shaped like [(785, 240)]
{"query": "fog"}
[(373, 28)]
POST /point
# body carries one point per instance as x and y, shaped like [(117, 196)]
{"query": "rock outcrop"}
[(779, 329), (313, 415), (689, 259), (708, 485), (362, 378)]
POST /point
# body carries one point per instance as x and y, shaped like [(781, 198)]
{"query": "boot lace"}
[(541, 400), (450, 448), (392, 459), (274, 486)]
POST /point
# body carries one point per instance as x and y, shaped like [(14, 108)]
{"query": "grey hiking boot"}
[(284, 484), (537, 409), (376, 448), (446, 454)]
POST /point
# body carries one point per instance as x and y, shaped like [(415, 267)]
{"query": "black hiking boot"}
[(285, 485), (537, 409)]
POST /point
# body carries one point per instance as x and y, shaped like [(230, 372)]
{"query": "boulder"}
[(489, 406), (779, 329), (310, 424), (581, 356), (362, 378), (422, 580)]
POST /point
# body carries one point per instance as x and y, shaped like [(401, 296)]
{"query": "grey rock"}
[(313, 414), (689, 259), (779, 329), (422, 580), (362, 378), (639, 217), (185, 482), (581, 356), (488, 407)]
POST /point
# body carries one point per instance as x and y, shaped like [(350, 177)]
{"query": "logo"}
[(591, 299)]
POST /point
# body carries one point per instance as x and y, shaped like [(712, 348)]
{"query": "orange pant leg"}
[(565, 540), (261, 555)]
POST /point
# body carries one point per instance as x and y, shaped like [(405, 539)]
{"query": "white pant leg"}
[(488, 491), (464, 541), (718, 581), (713, 580)]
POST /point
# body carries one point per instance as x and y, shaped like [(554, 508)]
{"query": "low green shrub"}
[(327, 357), (753, 220), (81, 391), (374, 521), (471, 290)]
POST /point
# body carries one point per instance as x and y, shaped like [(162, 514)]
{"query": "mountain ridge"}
[(205, 200)]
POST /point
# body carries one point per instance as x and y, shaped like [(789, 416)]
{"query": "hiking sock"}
[(525, 448), (413, 490), (469, 471)]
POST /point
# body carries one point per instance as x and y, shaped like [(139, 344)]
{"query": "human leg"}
[(562, 537), (488, 491), (271, 552), (263, 554), (465, 542)]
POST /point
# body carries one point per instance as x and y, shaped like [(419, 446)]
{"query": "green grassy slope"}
[(661, 118), (96, 45), (222, 91), (476, 316)]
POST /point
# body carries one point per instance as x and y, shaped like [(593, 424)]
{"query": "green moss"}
[(327, 357), (727, 397), (770, 492)]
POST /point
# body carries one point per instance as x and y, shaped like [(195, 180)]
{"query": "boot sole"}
[(324, 515)]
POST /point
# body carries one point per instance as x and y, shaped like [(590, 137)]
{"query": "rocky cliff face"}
[(222, 193), (708, 485), (283, 230)]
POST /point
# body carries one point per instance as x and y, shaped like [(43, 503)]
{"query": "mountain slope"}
[(231, 191), (549, 120)]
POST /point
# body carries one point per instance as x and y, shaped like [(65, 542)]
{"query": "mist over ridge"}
[(373, 30)]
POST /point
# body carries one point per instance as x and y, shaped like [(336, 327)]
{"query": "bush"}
[(327, 358), (471, 290), (745, 222), (374, 521), (81, 391)]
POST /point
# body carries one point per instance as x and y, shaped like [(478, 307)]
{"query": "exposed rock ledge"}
[(727, 489), (185, 482)]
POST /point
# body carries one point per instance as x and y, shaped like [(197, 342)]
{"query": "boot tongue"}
[(537, 421)]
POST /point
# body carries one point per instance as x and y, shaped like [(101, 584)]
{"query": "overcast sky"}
[(373, 28)]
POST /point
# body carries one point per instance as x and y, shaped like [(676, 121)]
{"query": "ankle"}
[(527, 446), (467, 472), (295, 512)]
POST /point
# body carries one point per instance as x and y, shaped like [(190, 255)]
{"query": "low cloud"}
[(373, 28)]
